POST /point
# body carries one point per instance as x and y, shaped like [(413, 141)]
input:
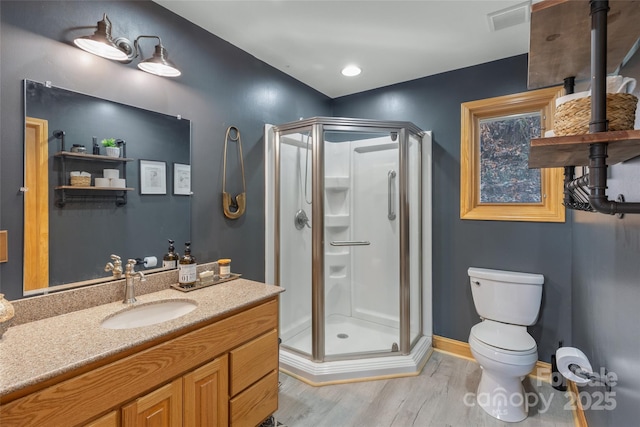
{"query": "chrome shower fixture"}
[(301, 219)]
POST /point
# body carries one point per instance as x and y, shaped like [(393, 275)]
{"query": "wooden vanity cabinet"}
[(223, 373)]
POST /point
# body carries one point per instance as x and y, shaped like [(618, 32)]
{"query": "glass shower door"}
[(294, 237), (361, 242)]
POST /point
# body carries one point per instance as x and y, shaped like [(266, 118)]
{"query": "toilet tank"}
[(506, 296)]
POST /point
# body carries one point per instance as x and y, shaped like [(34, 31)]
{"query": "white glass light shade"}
[(159, 64), (100, 48)]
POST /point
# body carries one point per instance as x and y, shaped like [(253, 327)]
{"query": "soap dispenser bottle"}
[(187, 268), (171, 258)]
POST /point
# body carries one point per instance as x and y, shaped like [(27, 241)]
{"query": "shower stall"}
[(348, 235)]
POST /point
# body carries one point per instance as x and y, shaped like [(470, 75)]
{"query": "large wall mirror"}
[(70, 233)]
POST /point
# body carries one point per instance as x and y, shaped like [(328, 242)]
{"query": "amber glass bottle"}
[(171, 258), (187, 268)]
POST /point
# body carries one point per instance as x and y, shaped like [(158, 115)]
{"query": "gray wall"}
[(606, 291), (433, 103), (220, 86)]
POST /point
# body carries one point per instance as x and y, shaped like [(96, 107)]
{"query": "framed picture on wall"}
[(153, 177), (181, 179)]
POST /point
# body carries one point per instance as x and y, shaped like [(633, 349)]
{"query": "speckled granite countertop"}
[(42, 349)]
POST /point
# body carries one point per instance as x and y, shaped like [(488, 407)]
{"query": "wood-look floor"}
[(436, 397)]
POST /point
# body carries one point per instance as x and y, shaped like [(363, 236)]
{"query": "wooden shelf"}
[(574, 150), (73, 187), (560, 40), (84, 156)]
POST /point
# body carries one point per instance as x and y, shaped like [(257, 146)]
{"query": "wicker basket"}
[(573, 117), (80, 181)]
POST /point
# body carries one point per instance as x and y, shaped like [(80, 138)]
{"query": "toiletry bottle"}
[(187, 268), (225, 268), (96, 147), (170, 259)]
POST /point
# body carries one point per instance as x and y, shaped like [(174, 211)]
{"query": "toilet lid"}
[(501, 335)]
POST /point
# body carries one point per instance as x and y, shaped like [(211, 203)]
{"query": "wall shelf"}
[(574, 150), (91, 188), (96, 157), (579, 40)]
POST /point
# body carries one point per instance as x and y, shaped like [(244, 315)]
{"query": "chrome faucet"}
[(115, 266), (130, 275)]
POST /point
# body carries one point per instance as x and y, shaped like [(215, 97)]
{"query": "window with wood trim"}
[(495, 180)]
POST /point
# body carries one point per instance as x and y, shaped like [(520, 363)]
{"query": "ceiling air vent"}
[(509, 17)]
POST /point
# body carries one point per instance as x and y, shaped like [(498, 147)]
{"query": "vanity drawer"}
[(253, 360), (255, 403)]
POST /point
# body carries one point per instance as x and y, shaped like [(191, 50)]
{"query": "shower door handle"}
[(390, 176), (350, 243)]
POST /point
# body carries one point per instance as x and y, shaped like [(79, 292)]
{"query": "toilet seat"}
[(504, 337)]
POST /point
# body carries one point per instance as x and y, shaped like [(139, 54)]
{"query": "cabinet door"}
[(206, 395), (160, 408)]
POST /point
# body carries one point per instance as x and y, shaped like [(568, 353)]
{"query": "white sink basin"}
[(149, 314)]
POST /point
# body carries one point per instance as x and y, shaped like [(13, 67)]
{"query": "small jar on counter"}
[(225, 268)]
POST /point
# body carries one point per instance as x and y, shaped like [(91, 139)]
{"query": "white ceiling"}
[(391, 40)]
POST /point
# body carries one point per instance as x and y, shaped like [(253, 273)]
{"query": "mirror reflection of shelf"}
[(336, 221), (98, 157), (73, 187), (336, 183)]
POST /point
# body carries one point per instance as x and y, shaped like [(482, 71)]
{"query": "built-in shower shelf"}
[(336, 258), (337, 276), (336, 221), (336, 183)]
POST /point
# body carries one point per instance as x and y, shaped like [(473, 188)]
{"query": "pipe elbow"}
[(603, 205)]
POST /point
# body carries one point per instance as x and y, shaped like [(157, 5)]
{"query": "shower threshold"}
[(363, 369)]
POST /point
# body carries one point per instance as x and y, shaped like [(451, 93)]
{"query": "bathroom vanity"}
[(215, 366)]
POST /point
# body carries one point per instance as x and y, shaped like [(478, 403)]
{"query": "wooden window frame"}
[(550, 209)]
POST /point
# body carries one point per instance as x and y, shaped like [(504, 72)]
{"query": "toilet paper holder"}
[(591, 376), (574, 366)]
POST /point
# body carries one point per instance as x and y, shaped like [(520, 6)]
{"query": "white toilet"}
[(507, 303)]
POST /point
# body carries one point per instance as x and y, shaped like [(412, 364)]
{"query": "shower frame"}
[(317, 127)]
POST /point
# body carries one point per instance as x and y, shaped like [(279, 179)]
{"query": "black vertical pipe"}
[(599, 11), (598, 152), (569, 171)]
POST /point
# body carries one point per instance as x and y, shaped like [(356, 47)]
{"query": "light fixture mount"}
[(125, 45)]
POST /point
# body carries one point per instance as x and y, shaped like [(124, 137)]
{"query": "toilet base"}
[(502, 397)]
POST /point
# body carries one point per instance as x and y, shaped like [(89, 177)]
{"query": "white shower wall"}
[(376, 278)]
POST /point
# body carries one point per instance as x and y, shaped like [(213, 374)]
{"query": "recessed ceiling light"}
[(351, 70)]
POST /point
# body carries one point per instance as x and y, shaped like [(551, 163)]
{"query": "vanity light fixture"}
[(101, 43), (351, 71), (159, 64)]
